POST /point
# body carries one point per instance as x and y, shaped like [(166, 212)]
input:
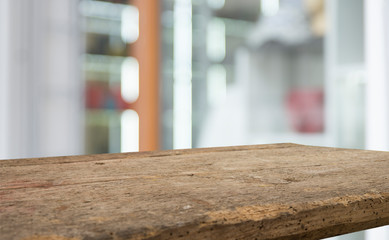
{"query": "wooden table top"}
[(278, 191)]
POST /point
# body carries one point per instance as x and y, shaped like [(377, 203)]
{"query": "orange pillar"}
[(147, 51)]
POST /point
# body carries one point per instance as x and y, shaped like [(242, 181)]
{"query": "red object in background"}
[(306, 110), (95, 95), (99, 95)]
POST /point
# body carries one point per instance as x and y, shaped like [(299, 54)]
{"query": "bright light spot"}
[(130, 79), (182, 102), (130, 24), (270, 7), (216, 85), (129, 131), (216, 4), (216, 40)]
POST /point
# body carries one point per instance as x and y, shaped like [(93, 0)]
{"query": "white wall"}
[(41, 92)]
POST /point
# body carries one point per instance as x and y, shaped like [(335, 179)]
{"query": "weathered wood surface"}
[(280, 191)]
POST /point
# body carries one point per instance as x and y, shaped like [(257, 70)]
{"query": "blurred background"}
[(94, 76)]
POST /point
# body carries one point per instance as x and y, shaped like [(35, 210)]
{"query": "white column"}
[(4, 77), (377, 88), (60, 100), (182, 99)]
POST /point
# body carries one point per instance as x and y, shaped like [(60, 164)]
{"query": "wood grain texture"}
[(279, 191)]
